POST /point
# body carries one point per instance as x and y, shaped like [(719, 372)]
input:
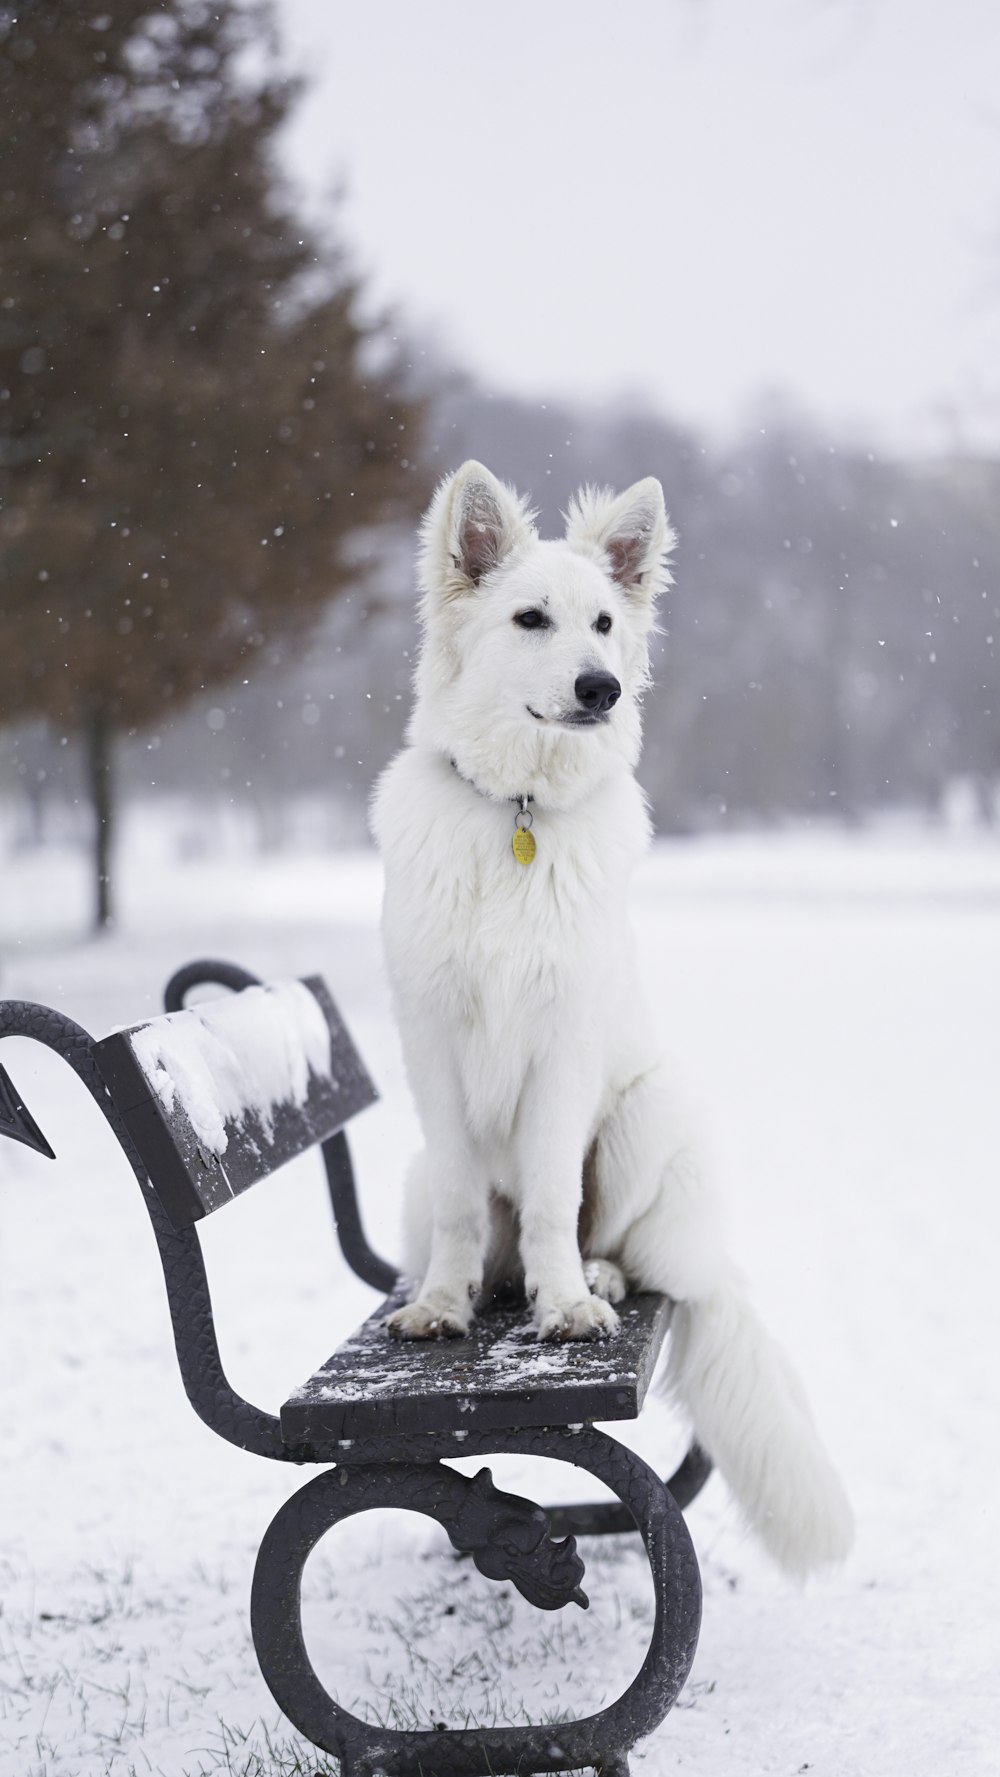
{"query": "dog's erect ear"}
[(472, 524), (630, 531)]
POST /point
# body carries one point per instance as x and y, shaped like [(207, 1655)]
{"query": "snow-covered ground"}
[(835, 1006)]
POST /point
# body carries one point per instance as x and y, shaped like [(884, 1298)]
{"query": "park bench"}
[(210, 1098)]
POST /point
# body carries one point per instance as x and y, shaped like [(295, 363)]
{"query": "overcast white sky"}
[(695, 200)]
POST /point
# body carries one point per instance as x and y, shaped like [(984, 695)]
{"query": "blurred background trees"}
[(197, 427), (210, 467)]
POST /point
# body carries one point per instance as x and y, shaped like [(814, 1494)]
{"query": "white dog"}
[(509, 826)]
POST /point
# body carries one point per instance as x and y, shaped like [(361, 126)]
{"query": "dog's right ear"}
[(472, 524)]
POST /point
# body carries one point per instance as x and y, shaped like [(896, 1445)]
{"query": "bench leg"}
[(603, 1518), (508, 1538)]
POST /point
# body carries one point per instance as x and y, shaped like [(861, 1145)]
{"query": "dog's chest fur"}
[(494, 958)]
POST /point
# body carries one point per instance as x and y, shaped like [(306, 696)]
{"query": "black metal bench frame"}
[(507, 1537)]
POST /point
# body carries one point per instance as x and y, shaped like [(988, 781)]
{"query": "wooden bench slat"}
[(497, 1378), (200, 1154)]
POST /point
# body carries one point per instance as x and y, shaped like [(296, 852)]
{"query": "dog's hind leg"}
[(647, 1200), (605, 1279), (745, 1401)]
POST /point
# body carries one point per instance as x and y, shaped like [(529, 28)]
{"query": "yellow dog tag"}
[(524, 845)]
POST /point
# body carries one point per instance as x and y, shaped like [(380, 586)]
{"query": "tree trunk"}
[(840, 749), (98, 740)]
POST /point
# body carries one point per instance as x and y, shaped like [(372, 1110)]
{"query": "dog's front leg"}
[(551, 1137), (454, 1188)]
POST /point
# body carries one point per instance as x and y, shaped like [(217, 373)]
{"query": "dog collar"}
[(523, 844)]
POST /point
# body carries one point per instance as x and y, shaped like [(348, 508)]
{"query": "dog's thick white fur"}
[(553, 1144)]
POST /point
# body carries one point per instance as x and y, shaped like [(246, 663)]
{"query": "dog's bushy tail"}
[(750, 1414)]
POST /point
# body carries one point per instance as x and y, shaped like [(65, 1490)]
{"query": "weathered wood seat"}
[(209, 1099), (497, 1379)]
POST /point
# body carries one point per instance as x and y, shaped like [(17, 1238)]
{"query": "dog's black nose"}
[(597, 691)]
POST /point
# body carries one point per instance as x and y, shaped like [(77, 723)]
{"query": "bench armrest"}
[(206, 1385)]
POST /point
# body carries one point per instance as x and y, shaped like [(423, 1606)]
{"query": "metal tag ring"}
[(523, 818)]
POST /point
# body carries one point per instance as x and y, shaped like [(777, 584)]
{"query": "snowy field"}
[(835, 1006)]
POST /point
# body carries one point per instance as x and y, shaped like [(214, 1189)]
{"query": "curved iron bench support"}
[(509, 1539)]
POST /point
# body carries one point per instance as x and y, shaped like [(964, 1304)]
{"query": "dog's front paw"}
[(590, 1318), (426, 1320), (605, 1279)]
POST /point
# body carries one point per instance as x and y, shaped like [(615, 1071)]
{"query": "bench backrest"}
[(219, 1095)]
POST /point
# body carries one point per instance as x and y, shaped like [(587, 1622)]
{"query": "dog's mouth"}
[(575, 718)]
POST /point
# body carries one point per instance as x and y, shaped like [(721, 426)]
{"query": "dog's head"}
[(535, 653)]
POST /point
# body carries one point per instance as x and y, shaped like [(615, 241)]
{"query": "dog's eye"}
[(532, 619), (603, 624)]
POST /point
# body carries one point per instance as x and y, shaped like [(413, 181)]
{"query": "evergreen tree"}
[(194, 420)]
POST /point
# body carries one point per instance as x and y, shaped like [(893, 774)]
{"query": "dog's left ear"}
[(630, 533)]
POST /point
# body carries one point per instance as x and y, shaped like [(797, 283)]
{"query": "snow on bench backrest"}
[(219, 1095)]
